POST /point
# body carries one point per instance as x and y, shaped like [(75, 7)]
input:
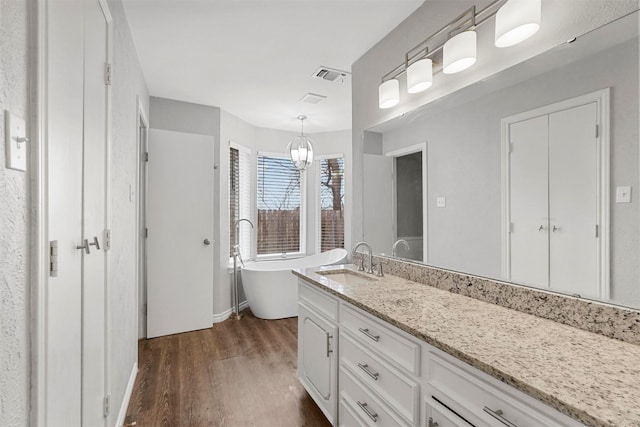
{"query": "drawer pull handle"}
[(376, 338), (498, 416), (366, 410), (432, 423), (368, 371)]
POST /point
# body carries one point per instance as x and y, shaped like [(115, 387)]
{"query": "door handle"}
[(85, 245), (95, 243), (206, 242)]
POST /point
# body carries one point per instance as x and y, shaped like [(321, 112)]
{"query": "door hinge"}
[(144, 309), (510, 148), (597, 131), (53, 258), (107, 239), (107, 74), (510, 227), (107, 405), (597, 231), (146, 156), (146, 232)]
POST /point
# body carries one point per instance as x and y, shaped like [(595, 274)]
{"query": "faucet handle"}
[(379, 272), (361, 264)]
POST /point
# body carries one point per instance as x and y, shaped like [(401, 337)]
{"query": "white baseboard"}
[(220, 317), (127, 396)]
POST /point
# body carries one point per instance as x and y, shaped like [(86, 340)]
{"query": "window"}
[(331, 221), (280, 222), (239, 199)]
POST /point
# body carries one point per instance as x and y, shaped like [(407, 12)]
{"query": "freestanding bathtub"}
[(272, 290)]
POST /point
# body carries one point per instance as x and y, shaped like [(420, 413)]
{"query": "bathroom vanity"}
[(392, 352)]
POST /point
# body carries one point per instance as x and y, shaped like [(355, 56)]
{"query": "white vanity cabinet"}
[(363, 371), (317, 355)]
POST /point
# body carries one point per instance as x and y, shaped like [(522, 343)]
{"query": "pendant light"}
[(420, 76), (300, 149), (460, 52), (516, 21), (389, 93)]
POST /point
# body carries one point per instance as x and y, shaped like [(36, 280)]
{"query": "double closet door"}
[(76, 141), (553, 201)]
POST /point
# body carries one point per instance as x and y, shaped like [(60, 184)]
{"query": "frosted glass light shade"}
[(420, 76), (460, 52), (300, 152), (389, 93), (516, 21)]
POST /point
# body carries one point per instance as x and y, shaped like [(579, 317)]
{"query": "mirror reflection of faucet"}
[(394, 248)]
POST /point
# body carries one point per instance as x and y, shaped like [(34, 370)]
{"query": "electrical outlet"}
[(15, 141)]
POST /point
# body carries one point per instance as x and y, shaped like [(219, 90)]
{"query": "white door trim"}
[(142, 121), (425, 216), (39, 234), (602, 99)]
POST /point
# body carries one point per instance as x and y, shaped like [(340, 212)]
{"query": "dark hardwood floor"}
[(237, 374)]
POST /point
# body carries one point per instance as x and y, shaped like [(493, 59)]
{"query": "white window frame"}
[(247, 210), (303, 213), (317, 193)]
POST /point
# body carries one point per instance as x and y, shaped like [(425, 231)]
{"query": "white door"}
[(64, 133), (377, 203), (573, 202), (94, 215), (529, 202), (180, 222)]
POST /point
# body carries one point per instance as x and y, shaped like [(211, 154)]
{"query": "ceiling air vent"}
[(312, 98), (330, 74)]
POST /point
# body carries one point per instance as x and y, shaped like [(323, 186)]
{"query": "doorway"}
[(141, 231)]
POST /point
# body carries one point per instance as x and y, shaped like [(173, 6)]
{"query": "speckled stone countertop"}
[(589, 377)]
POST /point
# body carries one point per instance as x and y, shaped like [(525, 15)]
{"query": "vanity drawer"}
[(390, 344), (397, 389), (369, 408), (348, 416), (475, 399), (438, 415), (320, 301)]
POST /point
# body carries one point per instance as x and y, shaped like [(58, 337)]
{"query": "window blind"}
[(331, 222), (239, 200), (279, 206)]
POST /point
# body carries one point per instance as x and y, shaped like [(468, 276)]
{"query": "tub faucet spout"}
[(370, 254)]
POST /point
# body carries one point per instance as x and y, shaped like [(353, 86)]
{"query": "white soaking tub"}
[(272, 290)]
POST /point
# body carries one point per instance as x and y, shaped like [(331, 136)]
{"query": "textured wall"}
[(128, 83), (14, 331)]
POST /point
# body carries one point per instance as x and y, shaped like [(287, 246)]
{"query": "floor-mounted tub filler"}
[(271, 289)]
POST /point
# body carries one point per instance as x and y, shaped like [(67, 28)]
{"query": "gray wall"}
[(561, 20), (128, 84), (464, 164), (14, 220)]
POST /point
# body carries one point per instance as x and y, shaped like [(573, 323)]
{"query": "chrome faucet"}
[(394, 248), (368, 246), (236, 256), (237, 225)]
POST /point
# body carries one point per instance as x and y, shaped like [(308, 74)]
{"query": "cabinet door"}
[(317, 360)]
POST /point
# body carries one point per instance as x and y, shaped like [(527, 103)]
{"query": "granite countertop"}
[(589, 377)]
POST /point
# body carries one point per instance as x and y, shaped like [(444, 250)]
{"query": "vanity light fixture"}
[(389, 93), (516, 21), (459, 52), (300, 148), (453, 48), (420, 75)]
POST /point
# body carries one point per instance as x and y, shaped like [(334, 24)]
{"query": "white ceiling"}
[(255, 58)]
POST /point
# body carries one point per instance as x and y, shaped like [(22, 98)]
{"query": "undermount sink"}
[(347, 276)]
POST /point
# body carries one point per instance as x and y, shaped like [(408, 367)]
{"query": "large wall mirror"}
[(531, 176)]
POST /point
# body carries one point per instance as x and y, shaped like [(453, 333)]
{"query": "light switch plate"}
[(623, 194), (441, 202), (15, 141)]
